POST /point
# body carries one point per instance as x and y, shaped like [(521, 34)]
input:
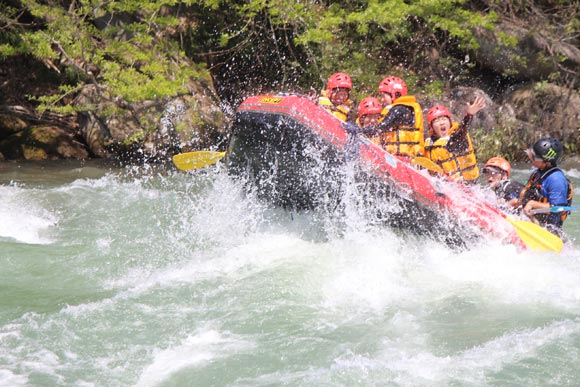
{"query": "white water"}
[(144, 278)]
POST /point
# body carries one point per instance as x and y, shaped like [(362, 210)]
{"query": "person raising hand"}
[(449, 144)]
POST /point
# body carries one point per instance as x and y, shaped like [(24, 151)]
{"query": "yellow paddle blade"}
[(536, 237), (427, 164), (195, 160)]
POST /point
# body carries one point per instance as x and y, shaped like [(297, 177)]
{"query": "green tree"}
[(120, 48), (304, 42)]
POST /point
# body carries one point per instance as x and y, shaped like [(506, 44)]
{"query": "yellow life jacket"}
[(404, 140), (457, 165), (340, 111)]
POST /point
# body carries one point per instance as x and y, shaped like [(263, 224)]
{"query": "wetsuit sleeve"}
[(399, 115), (458, 140)]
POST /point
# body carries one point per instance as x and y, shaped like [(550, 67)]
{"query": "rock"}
[(10, 124), (43, 143), (533, 57), (190, 122), (94, 131), (155, 130), (551, 109)]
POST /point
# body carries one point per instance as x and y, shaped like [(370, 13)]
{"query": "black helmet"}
[(547, 149)]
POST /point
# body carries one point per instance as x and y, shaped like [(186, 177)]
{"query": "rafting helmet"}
[(369, 105), (436, 112), (499, 163), (337, 80), (396, 87), (547, 150)]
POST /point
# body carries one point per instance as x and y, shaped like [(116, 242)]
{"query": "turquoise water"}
[(145, 277)]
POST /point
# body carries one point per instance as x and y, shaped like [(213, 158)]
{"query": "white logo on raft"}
[(391, 160)]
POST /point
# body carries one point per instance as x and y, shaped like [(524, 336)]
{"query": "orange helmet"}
[(396, 87), (500, 163), (369, 105), (436, 112), (337, 80)]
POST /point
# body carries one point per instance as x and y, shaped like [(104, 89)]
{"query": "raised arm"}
[(458, 141), (477, 105)]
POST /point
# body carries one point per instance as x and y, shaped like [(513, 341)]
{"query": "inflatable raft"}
[(295, 154)]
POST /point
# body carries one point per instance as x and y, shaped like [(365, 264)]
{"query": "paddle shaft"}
[(554, 209)]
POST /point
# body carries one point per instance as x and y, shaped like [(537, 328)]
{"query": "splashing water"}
[(139, 277), (22, 218)]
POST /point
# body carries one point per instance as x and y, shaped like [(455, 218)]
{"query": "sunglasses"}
[(492, 171)]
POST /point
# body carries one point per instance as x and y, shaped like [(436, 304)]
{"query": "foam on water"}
[(573, 173), (22, 216), (8, 378), (194, 351)]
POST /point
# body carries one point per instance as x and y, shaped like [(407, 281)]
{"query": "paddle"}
[(554, 209), (427, 164), (536, 237), (196, 160)]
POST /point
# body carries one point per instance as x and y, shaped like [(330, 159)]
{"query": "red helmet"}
[(436, 112), (396, 87), (500, 163), (339, 80), (369, 105)]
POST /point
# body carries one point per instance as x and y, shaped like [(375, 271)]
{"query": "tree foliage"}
[(137, 50), (120, 47), (304, 42)]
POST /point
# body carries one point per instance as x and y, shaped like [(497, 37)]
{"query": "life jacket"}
[(407, 139), (533, 191), (461, 165), (340, 111)]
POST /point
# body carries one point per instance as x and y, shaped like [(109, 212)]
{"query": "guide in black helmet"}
[(547, 186)]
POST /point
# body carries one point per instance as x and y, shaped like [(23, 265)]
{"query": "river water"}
[(149, 277)]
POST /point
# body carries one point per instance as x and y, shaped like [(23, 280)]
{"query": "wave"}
[(23, 218)]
